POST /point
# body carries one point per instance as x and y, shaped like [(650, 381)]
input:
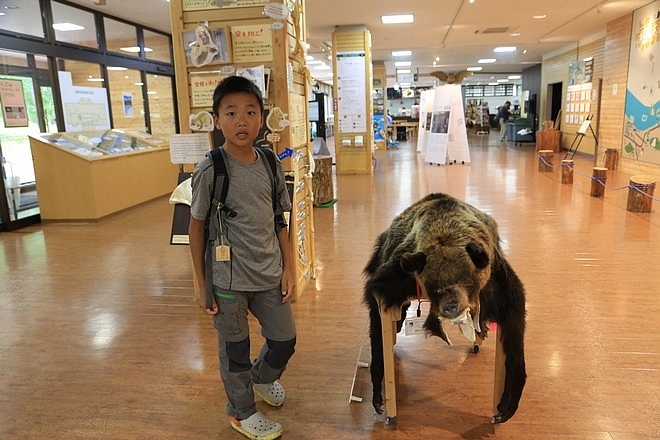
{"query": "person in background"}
[(503, 116)]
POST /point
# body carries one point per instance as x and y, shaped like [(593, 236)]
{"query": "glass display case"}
[(103, 142), (91, 174)]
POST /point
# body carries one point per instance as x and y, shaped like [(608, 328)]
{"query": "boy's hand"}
[(288, 286), (209, 311)]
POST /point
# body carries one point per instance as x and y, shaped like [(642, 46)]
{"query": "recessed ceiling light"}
[(474, 69), (404, 71), (67, 27), (502, 80), (514, 77), (402, 64), (504, 49), (394, 19), (540, 17), (486, 60), (401, 53)]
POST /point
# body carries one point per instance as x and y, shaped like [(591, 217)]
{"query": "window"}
[(121, 37), (161, 105), (22, 17), (74, 26), (160, 46), (126, 101)]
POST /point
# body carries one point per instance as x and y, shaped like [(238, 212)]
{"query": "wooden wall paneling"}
[(617, 47)]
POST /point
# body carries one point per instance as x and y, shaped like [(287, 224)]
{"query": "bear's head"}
[(450, 276)]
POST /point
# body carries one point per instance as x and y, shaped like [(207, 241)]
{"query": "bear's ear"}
[(413, 262), (478, 255)]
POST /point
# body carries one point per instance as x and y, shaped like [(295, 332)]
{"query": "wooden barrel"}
[(545, 161), (567, 171), (611, 158), (598, 182), (640, 193)]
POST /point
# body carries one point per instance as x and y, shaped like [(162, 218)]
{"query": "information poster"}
[(447, 139), (202, 86), (189, 148), (425, 114), (199, 5), (351, 92), (252, 43), (297, 121), (641, 132), (85, 108), (13, 103)]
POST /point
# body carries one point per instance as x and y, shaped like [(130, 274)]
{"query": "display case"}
[(91, 174)]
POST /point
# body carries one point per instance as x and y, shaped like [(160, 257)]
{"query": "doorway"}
[(29, 90), (553, 105)]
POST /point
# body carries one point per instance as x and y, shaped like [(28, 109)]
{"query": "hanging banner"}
[(13, 103)]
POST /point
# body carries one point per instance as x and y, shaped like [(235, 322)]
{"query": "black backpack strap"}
[(220, 181), (268, 156)]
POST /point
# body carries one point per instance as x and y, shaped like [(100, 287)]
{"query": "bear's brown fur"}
[(451, 250)]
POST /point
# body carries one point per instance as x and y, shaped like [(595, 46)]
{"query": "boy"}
[(257, 273)]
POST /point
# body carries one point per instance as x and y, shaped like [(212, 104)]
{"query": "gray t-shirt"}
[(256, 259)]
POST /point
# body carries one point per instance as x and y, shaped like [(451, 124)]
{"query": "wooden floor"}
[(100, 337)]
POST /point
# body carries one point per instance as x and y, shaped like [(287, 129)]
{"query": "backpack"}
[(219, 196)]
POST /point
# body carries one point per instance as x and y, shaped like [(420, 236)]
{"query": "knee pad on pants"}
[(280, 352), (239, 355)]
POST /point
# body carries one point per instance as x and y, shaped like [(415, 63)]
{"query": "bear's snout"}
[(450, 308), (452, 301)]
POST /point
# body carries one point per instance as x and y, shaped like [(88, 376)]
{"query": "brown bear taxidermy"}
[(451, 78), (451, 250)]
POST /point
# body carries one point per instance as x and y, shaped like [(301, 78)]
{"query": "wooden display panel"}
[(255, 40), (354, 148), (73, 187)]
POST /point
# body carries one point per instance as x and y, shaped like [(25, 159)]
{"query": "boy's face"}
[(239, 117)]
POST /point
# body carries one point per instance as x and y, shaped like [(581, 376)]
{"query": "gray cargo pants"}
[(237, 371)]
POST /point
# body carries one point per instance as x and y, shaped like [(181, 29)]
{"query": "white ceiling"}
[(455, 32)]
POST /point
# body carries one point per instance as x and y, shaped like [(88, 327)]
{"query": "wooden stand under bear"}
[(640, 193), (598, 182), (389, 318)]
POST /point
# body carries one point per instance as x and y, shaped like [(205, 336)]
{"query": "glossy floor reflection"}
[(101, 338)]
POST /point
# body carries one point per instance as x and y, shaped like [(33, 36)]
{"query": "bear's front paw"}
[(377, 402)]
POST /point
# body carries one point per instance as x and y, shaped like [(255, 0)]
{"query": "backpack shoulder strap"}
[(220, 181), (268, 156)]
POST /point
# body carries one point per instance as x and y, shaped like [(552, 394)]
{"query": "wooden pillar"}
[(567, 171), (611, 158), (598, 182), (640, 193), (545, 161)]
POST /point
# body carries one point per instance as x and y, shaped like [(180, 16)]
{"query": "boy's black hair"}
[(236, 84)]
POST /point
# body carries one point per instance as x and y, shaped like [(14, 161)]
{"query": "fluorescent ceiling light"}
[(404, 71), (394, 19), (539, 17), (67, 27), (493, 84), (474, 69), (95, 79), (404, 84), (402, 53), (502, 80), (505, 49), (116, 68), (514, 77), (139, 83), (486, 60), (402, 63), (135, 49), (152, 92)]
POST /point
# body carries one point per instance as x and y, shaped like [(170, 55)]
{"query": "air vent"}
[(497, 30)]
